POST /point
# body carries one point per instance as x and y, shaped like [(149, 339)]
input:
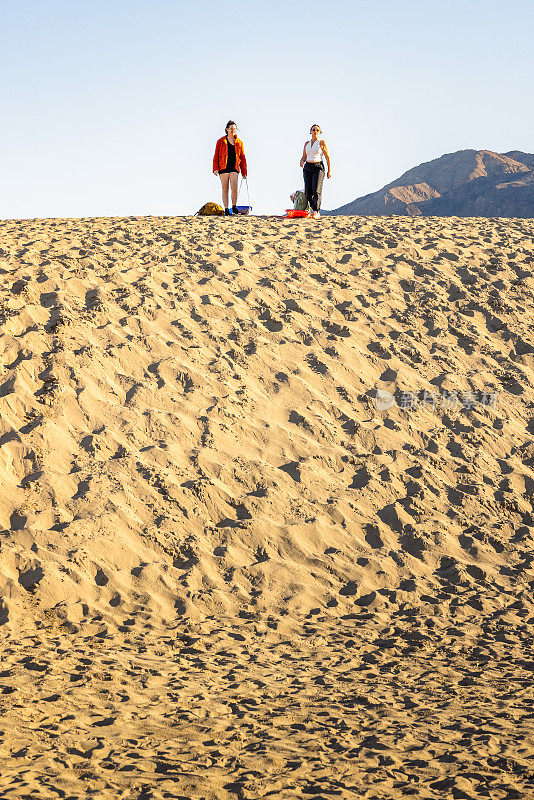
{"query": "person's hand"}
[(302, 162), (329, 175), (215, 171)]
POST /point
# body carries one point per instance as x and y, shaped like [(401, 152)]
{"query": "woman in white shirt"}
[(313, 168)]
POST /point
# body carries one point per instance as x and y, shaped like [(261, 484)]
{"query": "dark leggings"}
[(313, 183)]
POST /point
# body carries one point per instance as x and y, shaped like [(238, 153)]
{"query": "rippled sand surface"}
[(266, 508)]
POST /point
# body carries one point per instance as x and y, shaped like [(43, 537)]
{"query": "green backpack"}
[(210, 210), (300, 202)]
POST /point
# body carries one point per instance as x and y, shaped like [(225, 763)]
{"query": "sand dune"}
[(266, 511)]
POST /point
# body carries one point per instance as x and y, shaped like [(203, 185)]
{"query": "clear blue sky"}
[(113, 108)]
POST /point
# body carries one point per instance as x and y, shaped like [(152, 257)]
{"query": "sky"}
[(113, 108)]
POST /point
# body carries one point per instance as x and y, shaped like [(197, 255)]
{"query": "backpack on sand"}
[(300, 201), (210, 210)]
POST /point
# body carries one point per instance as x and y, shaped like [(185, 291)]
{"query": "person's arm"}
[(303, 159), (243, 162), (216, 158), (327, 156)]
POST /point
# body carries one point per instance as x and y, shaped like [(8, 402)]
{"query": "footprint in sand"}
[(101, 579), (82, 490), (292, 469), (30, 576), (316, 365), (115, 600), (378, 349), (271, 322), (334, 329)]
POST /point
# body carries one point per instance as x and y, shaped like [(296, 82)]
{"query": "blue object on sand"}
[(244, 209)]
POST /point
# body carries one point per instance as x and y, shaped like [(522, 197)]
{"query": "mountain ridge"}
[(481, 183)]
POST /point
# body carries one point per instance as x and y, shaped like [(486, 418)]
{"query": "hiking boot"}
[(226, 212), (234, 210)]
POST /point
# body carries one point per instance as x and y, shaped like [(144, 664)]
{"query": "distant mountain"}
[(469, 183)]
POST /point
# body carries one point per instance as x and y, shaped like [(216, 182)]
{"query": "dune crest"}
[(237, 437)]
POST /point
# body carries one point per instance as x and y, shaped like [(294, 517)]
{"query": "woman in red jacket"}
[(228, 160)]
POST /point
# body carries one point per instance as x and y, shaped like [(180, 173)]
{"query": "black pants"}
[(313, 183)]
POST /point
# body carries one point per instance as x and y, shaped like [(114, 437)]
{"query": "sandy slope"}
[(224, 571)]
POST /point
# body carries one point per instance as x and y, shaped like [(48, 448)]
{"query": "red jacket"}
[(221, 156)]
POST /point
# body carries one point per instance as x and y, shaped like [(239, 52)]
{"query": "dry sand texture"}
[(224, 573)]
